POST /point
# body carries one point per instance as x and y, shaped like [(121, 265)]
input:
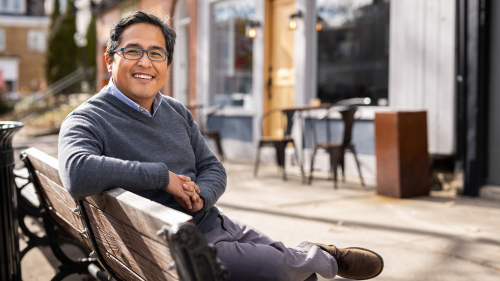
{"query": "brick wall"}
[(32, 63), (103, 24)]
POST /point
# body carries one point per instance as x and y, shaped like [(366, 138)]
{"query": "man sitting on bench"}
[(131, 136)]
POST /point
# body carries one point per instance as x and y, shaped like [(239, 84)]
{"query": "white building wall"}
[(421, 75), (232, 148), (422, 65)]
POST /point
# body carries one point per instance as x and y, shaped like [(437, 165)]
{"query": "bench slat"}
[(132, 260), (56, 190), (70, 229), (44, 163), (155, 252), (54, 200), (121, 269), (136, 211)]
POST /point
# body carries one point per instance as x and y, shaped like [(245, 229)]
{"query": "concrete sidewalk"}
[(437, 237)]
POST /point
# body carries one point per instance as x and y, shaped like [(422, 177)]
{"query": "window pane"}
[(353, 50), (2, 40), (36, 41), (231, 53)]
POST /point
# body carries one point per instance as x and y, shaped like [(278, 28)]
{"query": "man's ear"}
[(109, 63)]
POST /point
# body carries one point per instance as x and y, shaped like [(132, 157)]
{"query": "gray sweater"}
[(105, 143)]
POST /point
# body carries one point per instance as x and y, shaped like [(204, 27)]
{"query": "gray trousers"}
[(251, 255)]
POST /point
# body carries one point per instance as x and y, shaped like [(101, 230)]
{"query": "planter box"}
[(402, 153)]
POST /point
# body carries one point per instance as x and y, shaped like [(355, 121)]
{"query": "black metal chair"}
[(279, 143), (336, 150)]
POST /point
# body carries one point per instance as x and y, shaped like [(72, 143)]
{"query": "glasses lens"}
[(132, 53), (157, 55)]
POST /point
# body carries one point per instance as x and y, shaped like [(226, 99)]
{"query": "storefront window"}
[(231, 53), (353, 51)]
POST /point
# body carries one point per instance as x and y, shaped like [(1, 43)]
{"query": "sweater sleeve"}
[(210, 174), (85, 171)]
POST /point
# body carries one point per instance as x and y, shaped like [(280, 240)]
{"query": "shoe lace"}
[(340, 260)]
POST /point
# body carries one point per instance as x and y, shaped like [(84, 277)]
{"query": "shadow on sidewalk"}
[(355, 224)]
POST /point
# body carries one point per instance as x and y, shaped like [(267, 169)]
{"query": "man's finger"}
[(195, 197), (187, 200), (195, 186), (184, 178), (188, 186)]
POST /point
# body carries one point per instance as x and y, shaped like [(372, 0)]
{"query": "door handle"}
[(270, 83)]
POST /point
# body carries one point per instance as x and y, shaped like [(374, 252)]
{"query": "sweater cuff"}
[(208, 202), (164, 177)]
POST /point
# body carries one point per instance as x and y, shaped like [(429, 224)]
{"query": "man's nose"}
[(144, 60)]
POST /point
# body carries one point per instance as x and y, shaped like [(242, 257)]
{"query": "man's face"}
[(140, 80)]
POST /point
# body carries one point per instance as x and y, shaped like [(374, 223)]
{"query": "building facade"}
[(356, 50), (243, 58), (23, 36)]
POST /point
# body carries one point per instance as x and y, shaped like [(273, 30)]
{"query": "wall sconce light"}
[(319, 23), (251, 28), (292, 24)]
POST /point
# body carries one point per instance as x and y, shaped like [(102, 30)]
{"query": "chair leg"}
[(280, 156), (257, 159), (219, 146), (342, 166), (296, 154), (312, 166), (334, 162), (357, 164)]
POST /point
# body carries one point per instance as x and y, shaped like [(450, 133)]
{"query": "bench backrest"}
[(125, 225)]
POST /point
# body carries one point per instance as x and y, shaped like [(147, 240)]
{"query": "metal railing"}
[(51, 97)]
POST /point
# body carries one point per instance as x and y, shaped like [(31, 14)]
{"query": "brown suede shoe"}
[(355, 263)]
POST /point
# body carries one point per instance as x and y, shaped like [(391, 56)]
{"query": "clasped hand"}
[(185, 191)]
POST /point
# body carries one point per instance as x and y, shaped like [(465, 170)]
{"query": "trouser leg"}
[(251, 255)]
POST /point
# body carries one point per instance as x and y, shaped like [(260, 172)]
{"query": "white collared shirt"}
[(115, 92)]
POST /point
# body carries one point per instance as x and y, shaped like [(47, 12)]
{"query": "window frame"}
[(230, 109), (3, 38), (9, 7), (316, 73), (39, 45)]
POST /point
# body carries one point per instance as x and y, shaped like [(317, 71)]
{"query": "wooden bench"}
[(130, 237)]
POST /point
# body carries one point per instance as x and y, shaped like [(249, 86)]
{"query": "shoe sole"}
[(381, 259)]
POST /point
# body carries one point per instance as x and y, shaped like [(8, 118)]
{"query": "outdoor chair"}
[(279, 143), (335, 150), (212, 134)]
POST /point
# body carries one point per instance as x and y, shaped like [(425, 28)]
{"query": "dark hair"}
[(115, 33)]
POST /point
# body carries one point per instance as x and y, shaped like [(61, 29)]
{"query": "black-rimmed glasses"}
[(133, 53)]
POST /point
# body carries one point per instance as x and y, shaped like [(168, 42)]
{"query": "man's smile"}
[(143, 76)]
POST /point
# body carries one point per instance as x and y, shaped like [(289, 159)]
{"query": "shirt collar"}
[(115, 92)]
